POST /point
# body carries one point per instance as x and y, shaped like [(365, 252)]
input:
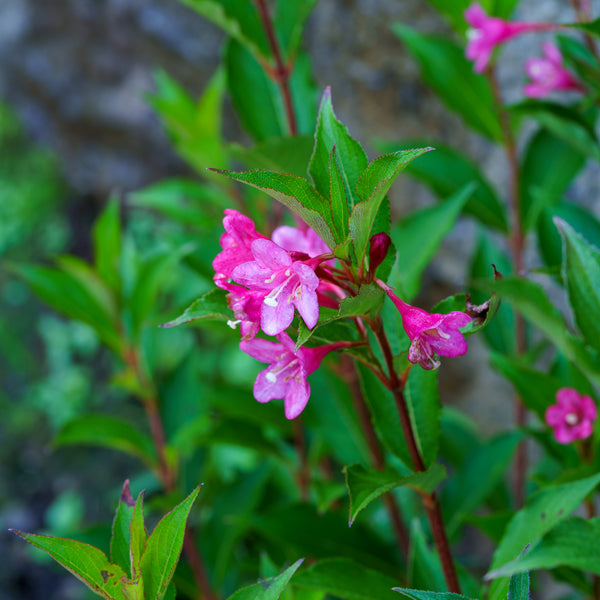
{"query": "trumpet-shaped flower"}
[(485, 33), (304, 240), (245, 305), (285, 377), (431, 335), (572, 417), (240, 232), (285, 283), (548, 74)]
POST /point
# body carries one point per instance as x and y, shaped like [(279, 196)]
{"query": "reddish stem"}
[(432, 506)]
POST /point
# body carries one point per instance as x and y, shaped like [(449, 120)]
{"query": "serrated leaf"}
[(442, 63), (343, 578), (446, 171), (543, 511), (106, 235), (137, 536), (268, 589), (163, 548), (108, 432), (581, 273), (365, 485), (352, 158), (572, 543), (422, 595), (337, 195), (417, 238), (120, 540), (87, 563), (371, 188), (212, 307), (295, 193)]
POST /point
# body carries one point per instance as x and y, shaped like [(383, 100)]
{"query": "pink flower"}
[(285, 377), (488, 32), (246, 305), (572, 417), (240, 232), (295, 239), (548, 74), (430, 334), (285, 283)]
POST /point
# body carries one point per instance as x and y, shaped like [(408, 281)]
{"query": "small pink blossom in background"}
[(304, 240), (285, 283), (431, 335), (548, 74), (572, 417), (485, 33), (285, 377), (240, 232)]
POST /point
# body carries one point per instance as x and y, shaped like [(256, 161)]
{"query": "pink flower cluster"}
[(268, 280), (486, 33), (572, 417)]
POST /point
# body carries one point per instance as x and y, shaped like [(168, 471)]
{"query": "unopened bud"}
[(379, 245)]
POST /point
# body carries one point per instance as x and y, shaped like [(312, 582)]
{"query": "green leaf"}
[(289, 19), (417, 238), (423, 569), (565, 123), (295, 193), (518, 586), (581, 273), (373, 184), (422, 595), (163, 548), (212, 307), (268, 589), (108, 432), (447, 171), (549, 238), (87, 563), (365, 485), (543, 511), (120, 540), (339, 200), (137, 534), (548, 168), (343, 578), (442, 63), (423, 401), (352, 158), (591, 27), (572, 543), (531, 300), (106, 235)]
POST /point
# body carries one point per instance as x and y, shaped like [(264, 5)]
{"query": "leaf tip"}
[(126, 496)]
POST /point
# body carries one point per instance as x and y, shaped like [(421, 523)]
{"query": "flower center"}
[(289, 370), (572, 418), (271, 299)]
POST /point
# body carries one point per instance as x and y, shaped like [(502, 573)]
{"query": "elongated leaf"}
[(518, 586), (352, 158), (212, 307), (442, 63), (137, 534), (424, 570), (422, 595), (107, 244), (343, 578), (268, 589), (573, 543), (338, 197), (373, 184), (289, 20), (543, 511), (163, 548), (120, 540), (548, 168), (87, 563), (418, 237), (295, 193), (447, 171), (531, 300), (366, 485), (581, 272), (592, 27), (109, 432)]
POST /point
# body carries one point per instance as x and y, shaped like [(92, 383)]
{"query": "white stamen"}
[(571, 419), (271, 377), (473, 34), (271, 301), (271, 279), (233, 324), (287, 272)]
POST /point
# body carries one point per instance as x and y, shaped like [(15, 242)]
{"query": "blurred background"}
[(76, 127)]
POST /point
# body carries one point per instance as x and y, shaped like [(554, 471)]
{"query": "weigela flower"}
[(548, 74), (240, 232), (431, 335), (246, 305), (572, 417), (285, 377), (304, 240), (285, 283), (485, 33)]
